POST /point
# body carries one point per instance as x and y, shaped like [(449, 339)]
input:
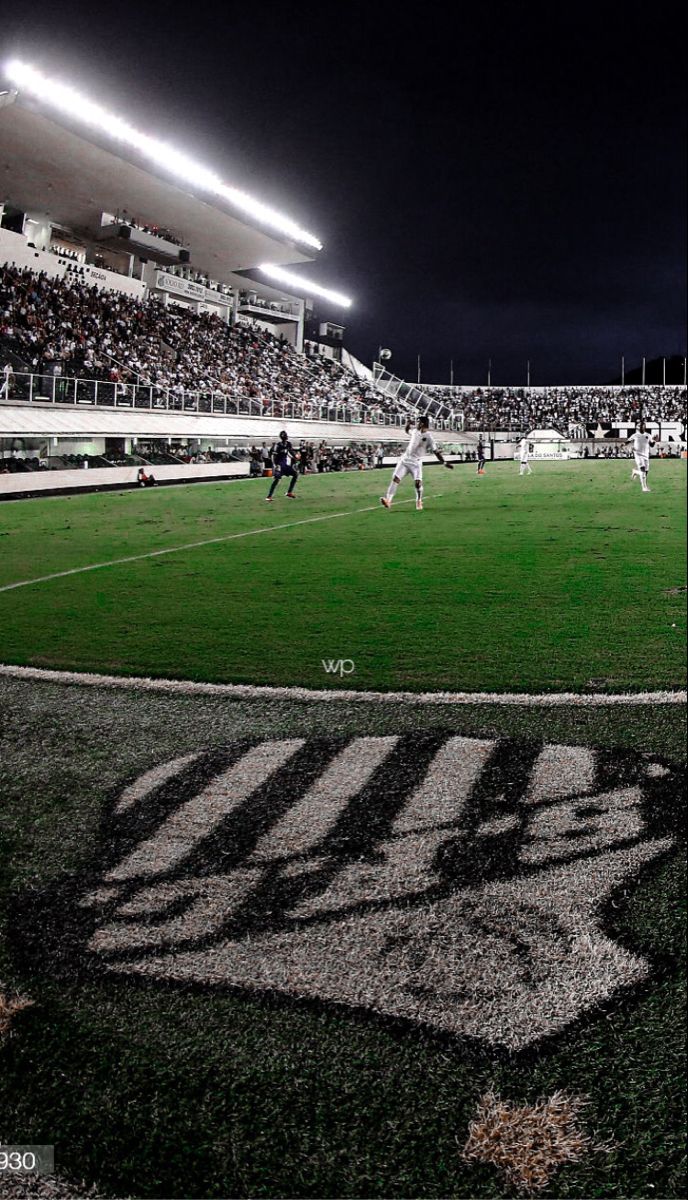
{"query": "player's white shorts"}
[(409, 466), (642, 462)]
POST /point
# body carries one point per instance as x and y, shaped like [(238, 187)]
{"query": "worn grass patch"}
[(9, 1007), (528, 1143)]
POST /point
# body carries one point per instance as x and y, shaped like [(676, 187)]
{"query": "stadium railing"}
[(414, 399), (41, 388)]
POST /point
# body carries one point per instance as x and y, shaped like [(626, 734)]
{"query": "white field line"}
[(228, 537), (242, 691)]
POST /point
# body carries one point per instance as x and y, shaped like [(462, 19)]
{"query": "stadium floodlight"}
[(71, 102), (304, 285)]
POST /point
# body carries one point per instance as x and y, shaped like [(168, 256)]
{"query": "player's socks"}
[(392, 491)]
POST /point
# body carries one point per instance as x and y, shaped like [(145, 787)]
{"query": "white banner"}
[(544, 452), (179, 286), (107, 280)]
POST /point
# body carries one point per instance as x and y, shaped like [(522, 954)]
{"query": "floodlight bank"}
[(305, 285)]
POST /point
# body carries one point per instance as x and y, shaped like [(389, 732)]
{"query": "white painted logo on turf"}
[(476, 918)]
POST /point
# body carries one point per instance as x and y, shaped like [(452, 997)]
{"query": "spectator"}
[(7, 381)]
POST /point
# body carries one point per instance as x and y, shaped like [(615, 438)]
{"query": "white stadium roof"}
[(72, 173), (51, 169), (68, 159), (81, 110)]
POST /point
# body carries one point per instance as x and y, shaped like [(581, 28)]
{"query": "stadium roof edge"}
[(49, 168), (79, 111)]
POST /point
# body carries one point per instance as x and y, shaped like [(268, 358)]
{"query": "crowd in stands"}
[(183, 272), (159, 231), (559, 407), (321, 458), (310, 458), (64, 252), (255, 301), (622, 450), (66, 327)]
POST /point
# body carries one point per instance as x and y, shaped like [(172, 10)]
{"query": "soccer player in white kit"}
[(411, 462), (524, 453), (641, 452)]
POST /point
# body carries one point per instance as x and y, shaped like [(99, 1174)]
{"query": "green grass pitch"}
[(566, 579), (230, 1086)]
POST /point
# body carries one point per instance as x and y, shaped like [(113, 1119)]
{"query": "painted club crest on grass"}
[(455, 882)]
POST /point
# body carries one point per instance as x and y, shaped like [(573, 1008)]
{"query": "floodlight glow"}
[(77, 106), (304, 285)]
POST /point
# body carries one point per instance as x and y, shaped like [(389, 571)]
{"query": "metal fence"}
[(415, 400)]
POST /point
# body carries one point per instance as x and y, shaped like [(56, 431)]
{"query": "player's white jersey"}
[(421, 442), (524, 450), (641, 444)]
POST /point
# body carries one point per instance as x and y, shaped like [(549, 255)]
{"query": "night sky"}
[(493, 180)]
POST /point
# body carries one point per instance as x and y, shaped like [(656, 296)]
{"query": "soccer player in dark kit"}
[(481, 457), (283, 456)]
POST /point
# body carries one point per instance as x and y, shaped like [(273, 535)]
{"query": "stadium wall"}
[(51, 420), (15, 250), (94, 479), (113, 477)]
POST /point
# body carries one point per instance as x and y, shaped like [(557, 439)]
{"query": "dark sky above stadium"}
[(490, 180)]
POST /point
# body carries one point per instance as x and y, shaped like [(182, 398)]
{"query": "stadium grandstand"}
[(577, 411), (148, 314)]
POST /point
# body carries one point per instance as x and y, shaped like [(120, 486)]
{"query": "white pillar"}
[(300, 326)]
